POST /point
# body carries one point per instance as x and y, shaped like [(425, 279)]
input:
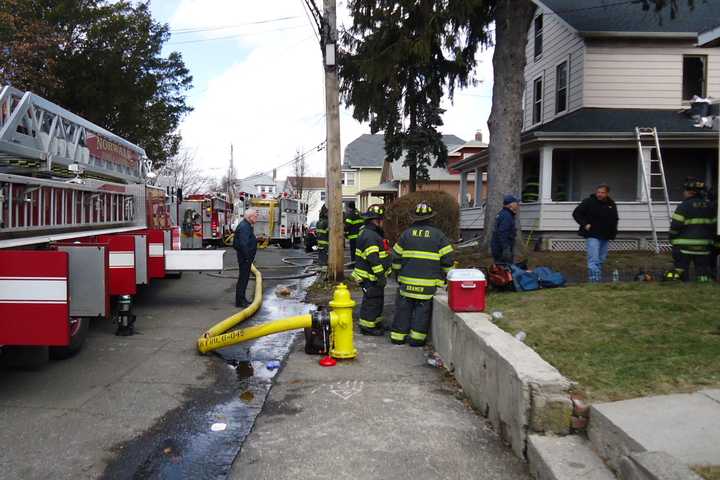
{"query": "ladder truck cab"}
[(206, 220), (281, 220), (80, 229)]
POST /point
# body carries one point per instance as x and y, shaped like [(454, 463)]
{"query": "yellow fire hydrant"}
[(341, 323), (340, 319)]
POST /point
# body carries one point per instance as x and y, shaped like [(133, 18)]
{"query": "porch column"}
[(478, 187), (709, 175), (642, 195), (463, 189), (546, 157)]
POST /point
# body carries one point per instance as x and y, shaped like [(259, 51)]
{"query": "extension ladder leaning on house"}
[(651, 175)]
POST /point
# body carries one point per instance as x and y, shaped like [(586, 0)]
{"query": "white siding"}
[(474, 218), (642, 74), (634, 217), (560, 43)]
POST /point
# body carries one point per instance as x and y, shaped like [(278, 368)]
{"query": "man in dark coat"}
[(503, 237), (245, 244), (598, 219)]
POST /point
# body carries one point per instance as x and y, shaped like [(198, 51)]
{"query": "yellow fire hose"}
[(340, 320)]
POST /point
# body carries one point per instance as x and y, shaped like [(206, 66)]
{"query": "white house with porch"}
[(592, 76)]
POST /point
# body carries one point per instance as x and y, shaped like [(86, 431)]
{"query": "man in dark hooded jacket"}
[(598, 219)]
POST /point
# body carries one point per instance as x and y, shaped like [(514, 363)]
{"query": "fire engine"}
[(206, 220), (281, 220), (80, 228)]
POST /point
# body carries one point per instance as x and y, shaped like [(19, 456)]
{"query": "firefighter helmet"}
[(693, 184), (423, 211), (375, 211)]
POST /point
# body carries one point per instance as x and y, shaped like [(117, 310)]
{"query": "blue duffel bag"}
[(549, 278)]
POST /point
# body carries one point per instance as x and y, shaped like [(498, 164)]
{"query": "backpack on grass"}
[(500, 276)]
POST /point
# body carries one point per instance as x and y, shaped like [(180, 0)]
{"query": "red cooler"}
[(466, 290)]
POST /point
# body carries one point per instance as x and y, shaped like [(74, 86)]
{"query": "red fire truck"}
[(80, 229), (206, 219)]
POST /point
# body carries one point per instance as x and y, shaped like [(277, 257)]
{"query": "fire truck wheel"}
[(286, 243), (78, 333), (26, 358)]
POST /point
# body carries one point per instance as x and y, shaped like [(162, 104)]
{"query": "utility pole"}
[(334, 185)]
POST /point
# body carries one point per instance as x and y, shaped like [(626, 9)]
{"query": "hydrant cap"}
[(342, 298)]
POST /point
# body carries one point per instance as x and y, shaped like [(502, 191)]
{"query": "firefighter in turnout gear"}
[(692, 233), (353, 222), (321, 230), (422, 257), (372, 267)]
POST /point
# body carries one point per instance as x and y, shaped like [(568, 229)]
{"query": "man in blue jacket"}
[(245, 244), (503, 237)]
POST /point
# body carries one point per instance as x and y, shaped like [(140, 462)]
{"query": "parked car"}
[(311, 237)]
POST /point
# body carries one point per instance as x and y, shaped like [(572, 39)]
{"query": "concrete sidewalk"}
[(685, 426), (387, 414)]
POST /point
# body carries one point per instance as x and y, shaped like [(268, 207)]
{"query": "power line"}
[(317, 148), (182, 31), (312, 23), (246, 34)]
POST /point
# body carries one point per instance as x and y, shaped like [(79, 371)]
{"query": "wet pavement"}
[(148, 406)]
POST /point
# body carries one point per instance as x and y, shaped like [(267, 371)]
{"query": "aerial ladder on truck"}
[(80, 228)]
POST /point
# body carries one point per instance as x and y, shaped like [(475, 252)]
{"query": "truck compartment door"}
[(141, 258), (88, 279), (156, 253), (121, 264), (34, 306)]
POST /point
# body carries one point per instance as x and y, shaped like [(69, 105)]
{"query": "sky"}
[(258, 84)]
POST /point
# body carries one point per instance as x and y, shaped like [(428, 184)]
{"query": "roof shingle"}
[(615, 16), (369, 150)]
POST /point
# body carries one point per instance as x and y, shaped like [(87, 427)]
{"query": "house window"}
[(537, 100), (561, 87), (322, 195), (538, 36), (348, 179), (694, 76)]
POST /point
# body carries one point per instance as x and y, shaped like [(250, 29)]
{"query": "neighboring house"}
[(258, 184), (593, 75), (470, 193), (313, 193), (362, 165), (394, 179), (362, 168)]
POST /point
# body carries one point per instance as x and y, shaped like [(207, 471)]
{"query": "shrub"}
[(446, 208)]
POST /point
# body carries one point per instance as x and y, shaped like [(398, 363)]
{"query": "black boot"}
[(372, 332)]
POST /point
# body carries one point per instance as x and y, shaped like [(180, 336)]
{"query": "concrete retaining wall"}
[(506, 380)]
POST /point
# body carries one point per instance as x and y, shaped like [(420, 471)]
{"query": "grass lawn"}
[(708, 473), (622, 340)]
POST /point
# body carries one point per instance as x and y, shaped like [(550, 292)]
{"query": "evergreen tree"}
[(101, 60), (398, 59)]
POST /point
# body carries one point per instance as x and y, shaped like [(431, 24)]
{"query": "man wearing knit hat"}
[(503, 237)]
